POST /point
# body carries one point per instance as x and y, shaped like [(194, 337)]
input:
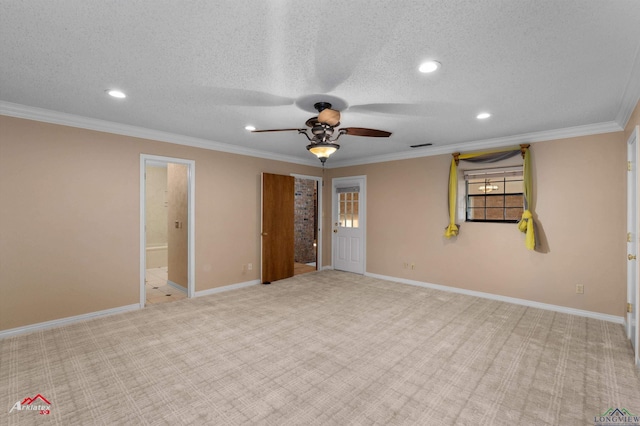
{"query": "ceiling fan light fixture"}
[(429, 67), (483, 116), (488, 187), (323, 150)]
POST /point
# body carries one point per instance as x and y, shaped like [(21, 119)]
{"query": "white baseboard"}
[(177, 286), (563, 309), (524, 302), (226, 288), (64, 321), (69, 320)]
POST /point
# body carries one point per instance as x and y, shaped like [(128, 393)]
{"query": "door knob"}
[(631, 257), (264, 234), (335, 231)]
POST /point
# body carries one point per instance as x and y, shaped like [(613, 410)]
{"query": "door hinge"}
[(629, 308), (629, 239), (629, 166)]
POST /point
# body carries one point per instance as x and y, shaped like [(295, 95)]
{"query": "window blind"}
[(348, 189), (492, 173)]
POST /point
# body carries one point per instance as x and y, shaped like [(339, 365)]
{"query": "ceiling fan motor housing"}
[(322, 129), (321, 106)]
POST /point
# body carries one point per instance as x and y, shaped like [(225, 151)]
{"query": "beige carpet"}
[(323, 348)]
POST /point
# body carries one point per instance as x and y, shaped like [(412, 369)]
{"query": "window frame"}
[(495, 175), (350, 217)]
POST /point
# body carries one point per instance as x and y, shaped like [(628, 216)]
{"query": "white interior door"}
[(632, 328), (349, 219)]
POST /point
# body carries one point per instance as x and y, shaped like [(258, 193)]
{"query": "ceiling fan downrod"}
[(321, 106)]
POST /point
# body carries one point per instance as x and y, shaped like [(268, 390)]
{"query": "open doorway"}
[(306, 224), (167, 229)]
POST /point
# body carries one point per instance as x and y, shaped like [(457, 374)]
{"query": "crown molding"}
[(72, 120), (631, 95), (546, 135), (65, 119)]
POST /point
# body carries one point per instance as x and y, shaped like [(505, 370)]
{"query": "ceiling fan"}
[(322, 129)]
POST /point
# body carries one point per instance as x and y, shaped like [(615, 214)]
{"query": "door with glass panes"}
[(349, 224)]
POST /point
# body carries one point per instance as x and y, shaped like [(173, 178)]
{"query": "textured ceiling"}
[(202, 70)]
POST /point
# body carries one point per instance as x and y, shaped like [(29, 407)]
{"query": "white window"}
[(348, 208), (494, 195)]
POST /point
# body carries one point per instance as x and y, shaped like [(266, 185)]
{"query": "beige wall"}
[(178, 213), (579, 192), (69, 222), (156, 205), (156, 216), (69, 218)]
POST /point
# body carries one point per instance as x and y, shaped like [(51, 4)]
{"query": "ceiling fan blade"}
[(243, 97), (361, 131), (335, 60), (278, 130), (429, 109), (329, 116)]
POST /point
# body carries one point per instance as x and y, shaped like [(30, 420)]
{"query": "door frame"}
[(191, 199), (633, 221), (320, 215), (362, 214)]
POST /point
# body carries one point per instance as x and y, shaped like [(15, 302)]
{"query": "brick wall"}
[(495, 207), (305, 220)]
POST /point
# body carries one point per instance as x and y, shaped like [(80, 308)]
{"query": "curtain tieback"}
[(451, 231), (524, 222), (526, 226)]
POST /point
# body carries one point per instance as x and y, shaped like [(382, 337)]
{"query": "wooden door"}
[(277, 227)]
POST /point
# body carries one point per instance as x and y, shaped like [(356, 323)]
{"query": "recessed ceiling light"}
[(483, 115), (116, 93), (429, 66), (249, 128)]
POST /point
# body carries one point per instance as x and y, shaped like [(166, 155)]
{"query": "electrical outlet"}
[(579, 289), (250, 266), (405, 265), (413, 266)]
